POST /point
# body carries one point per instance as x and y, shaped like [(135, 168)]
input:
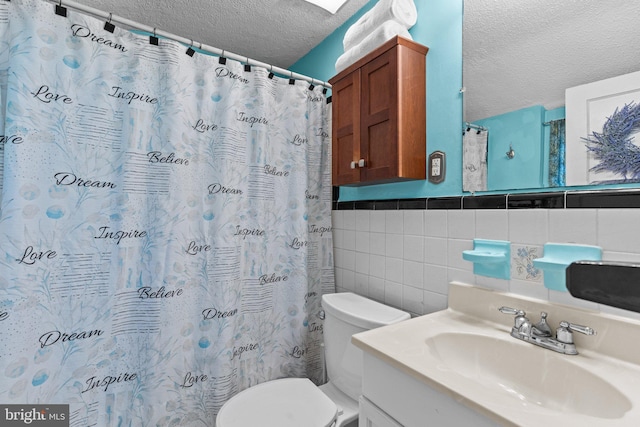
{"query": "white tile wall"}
[(406, 258)]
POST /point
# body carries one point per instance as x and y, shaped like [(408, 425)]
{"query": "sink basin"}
[(532, 376), (475, 373)]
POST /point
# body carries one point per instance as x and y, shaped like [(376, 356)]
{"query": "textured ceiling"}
[(278, 32), (522, 53), (516, 53)]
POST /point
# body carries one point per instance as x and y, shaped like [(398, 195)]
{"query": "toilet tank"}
[(347, 314)]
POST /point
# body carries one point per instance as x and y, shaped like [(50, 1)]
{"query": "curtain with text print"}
[(165, 223)]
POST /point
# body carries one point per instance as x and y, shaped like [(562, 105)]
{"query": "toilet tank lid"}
[(361, 311)]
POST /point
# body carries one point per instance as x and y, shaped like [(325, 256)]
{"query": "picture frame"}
[(588, 107)]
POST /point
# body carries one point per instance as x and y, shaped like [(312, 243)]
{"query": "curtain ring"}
[(190, 50), (60, 9), (153, 39), (108, 26), (200, 47)]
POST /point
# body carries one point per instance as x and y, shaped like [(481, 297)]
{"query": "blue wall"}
[(439, 27), (523, 130)]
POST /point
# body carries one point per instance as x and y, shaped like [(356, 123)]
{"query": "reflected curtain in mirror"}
[(474, 153), (557, 153)]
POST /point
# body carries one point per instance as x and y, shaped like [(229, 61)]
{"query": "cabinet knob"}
[(353, 165), (362, 163)]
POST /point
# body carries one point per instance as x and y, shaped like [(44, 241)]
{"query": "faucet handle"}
[(514, 311), (520, 316), (564, 332), (578, 328)]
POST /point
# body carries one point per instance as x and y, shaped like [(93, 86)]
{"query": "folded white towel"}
[(401, 11), (384, 32)]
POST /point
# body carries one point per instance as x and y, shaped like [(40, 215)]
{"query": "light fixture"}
[(331, 6)]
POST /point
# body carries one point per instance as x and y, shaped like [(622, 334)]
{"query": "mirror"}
[(520, 56)]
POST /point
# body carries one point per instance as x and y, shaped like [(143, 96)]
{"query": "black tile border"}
[(386, 205), (619, 199), (610, 199), (448, 203), (498, 201), (536, 201), (412, 204), (344, 206), (364, 205)]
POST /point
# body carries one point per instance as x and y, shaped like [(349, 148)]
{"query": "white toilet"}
[(297, 402)]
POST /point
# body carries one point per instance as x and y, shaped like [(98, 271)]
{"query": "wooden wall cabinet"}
[(379, 116)]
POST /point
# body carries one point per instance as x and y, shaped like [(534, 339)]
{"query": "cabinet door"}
[(379, 118), (372, 416), (346, 129)]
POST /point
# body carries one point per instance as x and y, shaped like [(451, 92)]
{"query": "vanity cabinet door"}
[(372, 416)]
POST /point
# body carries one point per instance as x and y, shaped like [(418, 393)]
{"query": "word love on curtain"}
[(165, 227)]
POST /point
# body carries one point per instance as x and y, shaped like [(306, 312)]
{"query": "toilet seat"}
[(289, 402)]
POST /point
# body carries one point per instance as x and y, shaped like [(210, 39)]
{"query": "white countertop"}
[(603, 380)]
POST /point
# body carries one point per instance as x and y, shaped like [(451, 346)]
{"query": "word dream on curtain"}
[(165, 223)]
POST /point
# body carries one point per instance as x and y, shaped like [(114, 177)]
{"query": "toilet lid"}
[(289, 402)]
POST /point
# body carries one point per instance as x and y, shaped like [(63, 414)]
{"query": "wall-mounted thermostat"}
[(436, 167)]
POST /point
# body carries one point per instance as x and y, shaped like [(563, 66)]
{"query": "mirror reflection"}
[(518, 60)]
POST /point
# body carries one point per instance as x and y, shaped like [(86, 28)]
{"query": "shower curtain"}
[(165, 223)]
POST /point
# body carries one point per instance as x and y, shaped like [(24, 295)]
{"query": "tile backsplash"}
[(407, 257)]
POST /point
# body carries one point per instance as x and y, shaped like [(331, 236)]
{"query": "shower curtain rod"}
[(188, 42), (473, 126)]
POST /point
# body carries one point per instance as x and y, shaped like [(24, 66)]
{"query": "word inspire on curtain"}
[(165, 227)]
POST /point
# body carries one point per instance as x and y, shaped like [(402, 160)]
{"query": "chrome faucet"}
[(540, 334)]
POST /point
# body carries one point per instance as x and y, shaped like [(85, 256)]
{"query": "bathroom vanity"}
[(403, 401), (462, 366)]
